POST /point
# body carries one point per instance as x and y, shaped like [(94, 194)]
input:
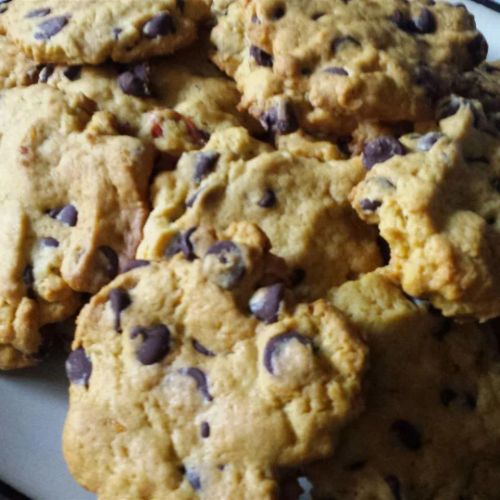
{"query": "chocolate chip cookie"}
[(436, 200), (73, 198), (197, 376), (326, 66), (91, 31)]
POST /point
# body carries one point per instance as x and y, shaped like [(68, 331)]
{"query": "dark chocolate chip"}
[(44, 11), (403, 22), (201, 380), (202, 349), (447, 396), (72, 73), (49, 242), (160, 25), (265, 303), (380, 150), (425, 22), (426, 78), (155, 343), (428, 140), (341, 41), (78, 367), (67, 215), (192, 199), (385, 250), (182, 243), (205, 430), (408, 434), (193, 479), (111, 264), (165, 163), (280, 119), (478, 49), (205, 164), (317, 15), (231, 263), (136, 81), (336, 70), (51, 27), (120, 300), (448, 107), (275, 343), (262, 58), (134, 264), (45, 73), (277, 13), (395, 486), (297, 276), (5, 1), (369, 205), (268, 199), (116, 33), (3, 9)]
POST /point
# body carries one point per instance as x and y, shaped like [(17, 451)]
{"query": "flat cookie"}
[(436, 200), (327, 66), (74, 200), (91, 31), (300, 200), (194, 376), (431, 425)]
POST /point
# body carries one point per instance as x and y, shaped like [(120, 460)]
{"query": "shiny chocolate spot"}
[(428, 140), (268, 199), (137, 81), (265, 303), (182, 243), (275, 344), (49, 242), (201, 381), (155, 343), (160, 25), (229, 261), (425, 22), (120, 300), (336, 70), (42, 12), (193, 479), (280, 119), (369, 205), (261, 57), (67, 215), (478, 49), (134, 264), (408, 435), (51, 27), (205, 430), (380, 150), (202, 349), (205, 164), (45, 73), (78, 367)]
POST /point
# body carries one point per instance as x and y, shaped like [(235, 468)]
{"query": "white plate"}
[(33, 402)]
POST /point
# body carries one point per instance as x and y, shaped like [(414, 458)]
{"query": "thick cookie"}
[(91, 31), (178, 388), (431, 425), (16, 70), (74, 200), (299, 199), (326, 66), (436, 200)]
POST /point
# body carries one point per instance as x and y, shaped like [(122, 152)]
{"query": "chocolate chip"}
[(134, 264), (336, 70), (297, 276), (277, 13), (448, 107), (262, 58), (136, 81), (201, 348), (280, 119), (45, 73), (428, 140), (229, 263), (369, 205), (192, 199), (78, 367), (447, 396), (205, 164), (427, 79), (3, 9), (160, 25), (201, 380), (72, 73), (478, 49), (51, 27), (182, 243), (49, 242), (265, 303), (120, 300), (67, 215), (380, 150), (425, 22), (116, 33), (268, 199), (408, 434), (275, 343), (394, 486), (205, 430), (193, 479), (317, 15), (44, 11), (385, 250), (155, 343), (341, 41), (403, 22), (110, 262)]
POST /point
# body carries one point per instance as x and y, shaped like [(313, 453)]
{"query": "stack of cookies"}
[(276, 224)]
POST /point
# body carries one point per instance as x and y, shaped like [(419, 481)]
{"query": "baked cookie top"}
[(326, 66), (16, 70), (431, 424), (182, 384), (91, 31), (299, 197), (436, 200), (74, 200)]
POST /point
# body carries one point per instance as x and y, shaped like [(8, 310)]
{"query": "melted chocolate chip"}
[(369, 205), (265, 303), (205, 164), (447, 396), (341, 41), (78, 367), (205, 430), (160, 25), (45, 73), (336, 70), (478, 49), (137, 81), (72, 73), (49, 242), (134, 264), (110, 262), (51, 27), (380, 150), (394, 486), (182, 243), (202, 349), (67, 215), (155, 343), (425, 22), (268, 199), (231, 265), (44, 11), (201, 380), (120, 300), (408, 434), (280, 119), (261, 57), (275, 343), (426, 142)]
